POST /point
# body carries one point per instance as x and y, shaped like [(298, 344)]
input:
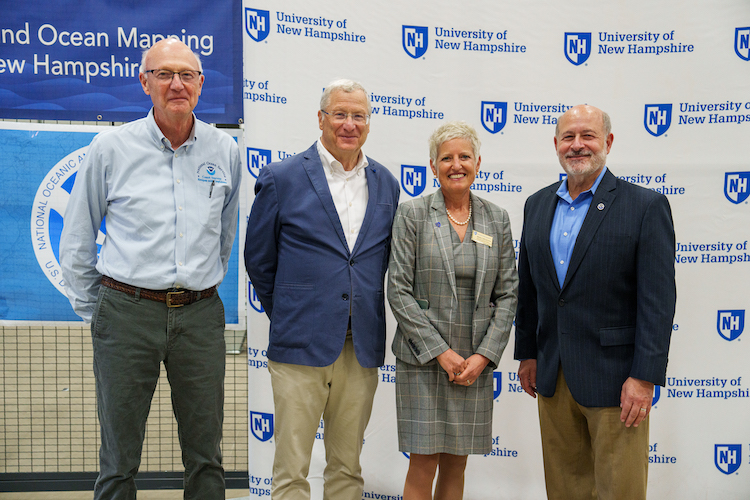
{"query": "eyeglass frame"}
[(179, 73), (352, 115)]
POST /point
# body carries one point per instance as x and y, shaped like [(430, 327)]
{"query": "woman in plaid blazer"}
[(452, 288)]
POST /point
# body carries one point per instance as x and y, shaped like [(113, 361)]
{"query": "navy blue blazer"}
[(612, 318), (299, 262)]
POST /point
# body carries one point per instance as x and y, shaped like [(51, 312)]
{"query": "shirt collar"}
[(562, 191), (333, 166), (161, 139)]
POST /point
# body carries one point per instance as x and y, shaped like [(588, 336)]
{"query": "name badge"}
[(481, 238)]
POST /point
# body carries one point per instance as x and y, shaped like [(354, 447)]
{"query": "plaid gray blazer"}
[(422, 284)]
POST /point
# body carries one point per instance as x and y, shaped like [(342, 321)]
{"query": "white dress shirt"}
[(348, 190)]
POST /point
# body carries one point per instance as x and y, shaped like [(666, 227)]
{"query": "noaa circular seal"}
[(47, 215)]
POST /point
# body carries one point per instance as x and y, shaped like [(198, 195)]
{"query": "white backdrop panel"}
[(700, 439)]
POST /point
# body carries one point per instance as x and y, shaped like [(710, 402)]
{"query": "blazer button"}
[(351, 262), (561, 302), (345, 296)]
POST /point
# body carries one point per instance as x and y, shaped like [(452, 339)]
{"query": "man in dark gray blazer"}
[(595, 310)]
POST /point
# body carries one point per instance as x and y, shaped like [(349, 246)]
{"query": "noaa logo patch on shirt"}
[(211, 172)]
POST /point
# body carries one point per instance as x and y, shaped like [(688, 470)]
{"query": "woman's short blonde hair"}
[(454, 130)]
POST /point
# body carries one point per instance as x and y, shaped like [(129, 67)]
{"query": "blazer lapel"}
[(603, 198), (373, 184), (480, 224), (314, 169), (549, 205), (442, 228)]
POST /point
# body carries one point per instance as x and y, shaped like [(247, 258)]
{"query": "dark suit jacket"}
[(612, 318), (299, 262)]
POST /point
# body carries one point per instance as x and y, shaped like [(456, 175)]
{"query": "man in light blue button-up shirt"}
[(169, 186)]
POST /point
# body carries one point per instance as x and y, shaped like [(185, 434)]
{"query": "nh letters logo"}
[(253, 298), (414, 40), (257, 23), (261, 425), (736, 186), (577, 47), (657, 118), (257, 159), (742, 43), (494, 116), (413, 179), (728, 457), (497, 384), (730, 323)]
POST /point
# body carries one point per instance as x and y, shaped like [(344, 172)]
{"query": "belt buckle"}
[(169, 298)]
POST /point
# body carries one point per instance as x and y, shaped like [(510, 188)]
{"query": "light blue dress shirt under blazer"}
[(171, 216), (569, 216)]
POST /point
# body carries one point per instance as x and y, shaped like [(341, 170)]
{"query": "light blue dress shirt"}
[(569, 216), (171, 215)]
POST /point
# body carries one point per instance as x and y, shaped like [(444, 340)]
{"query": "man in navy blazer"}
[(317, 248), (595, 309)]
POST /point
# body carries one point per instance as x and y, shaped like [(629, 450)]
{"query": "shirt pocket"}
[(210, 204)]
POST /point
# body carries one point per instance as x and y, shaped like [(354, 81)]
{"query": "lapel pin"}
[(600, 206), (437, 224)]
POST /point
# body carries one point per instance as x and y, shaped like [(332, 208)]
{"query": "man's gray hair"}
[(454, 130), (607, 124), (343, 85)]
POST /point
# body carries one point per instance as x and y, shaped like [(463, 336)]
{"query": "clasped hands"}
[(462, 371)]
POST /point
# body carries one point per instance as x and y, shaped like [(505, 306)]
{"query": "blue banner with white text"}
[(79, 60)]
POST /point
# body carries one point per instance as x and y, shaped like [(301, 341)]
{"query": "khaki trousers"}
[(588, 453), (342, 393)]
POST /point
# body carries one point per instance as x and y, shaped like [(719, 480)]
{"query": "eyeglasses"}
[(340, 117), (166, 75)]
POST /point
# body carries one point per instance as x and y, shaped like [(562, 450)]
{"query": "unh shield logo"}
[(742, 43), (736, 186), (497, 384), (261, 425), (257, 24), (257, 159), (657, 395), (254, 300), (657, 118), (494, 116), (413, 179), (730, 323), (728, 457), (414, 40), (577, 47)]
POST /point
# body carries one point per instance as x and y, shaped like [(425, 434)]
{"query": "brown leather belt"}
[(173, 298)]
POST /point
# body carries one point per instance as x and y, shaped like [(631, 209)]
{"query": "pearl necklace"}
[(455, 221)]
